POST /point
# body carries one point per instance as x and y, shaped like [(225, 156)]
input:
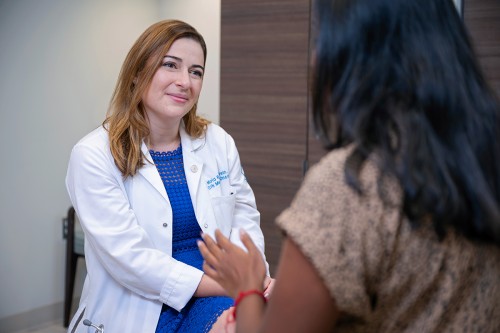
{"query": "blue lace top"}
[(200, 313)]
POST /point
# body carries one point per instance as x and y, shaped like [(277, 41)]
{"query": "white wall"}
[(59, 61)]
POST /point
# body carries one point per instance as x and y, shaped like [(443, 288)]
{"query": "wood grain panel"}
[(264, 99), (482, 18)]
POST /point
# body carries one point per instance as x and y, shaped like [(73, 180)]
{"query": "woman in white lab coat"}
[(146, 184)]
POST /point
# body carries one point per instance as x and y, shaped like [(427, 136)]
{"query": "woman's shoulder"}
[(327, 193), (97, 140), (329, 169), (218, 136), (216, 130), (332, 170), (97, 136), (333, 160)]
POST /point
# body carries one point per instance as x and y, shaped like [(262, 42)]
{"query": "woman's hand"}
[(233, 268), (268, 286)]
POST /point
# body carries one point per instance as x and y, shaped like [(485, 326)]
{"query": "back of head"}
[(400, 78)]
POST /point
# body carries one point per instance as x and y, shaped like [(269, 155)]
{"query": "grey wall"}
[(59, 61)]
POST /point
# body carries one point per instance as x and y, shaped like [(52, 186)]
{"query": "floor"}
[(46, 328)]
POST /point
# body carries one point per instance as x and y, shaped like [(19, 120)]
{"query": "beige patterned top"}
[(384, 275)]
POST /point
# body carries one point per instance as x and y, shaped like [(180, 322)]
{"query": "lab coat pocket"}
[(223, 207)]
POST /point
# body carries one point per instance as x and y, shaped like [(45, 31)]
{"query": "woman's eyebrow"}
[(199, 66), (180, 60), (173, 57)]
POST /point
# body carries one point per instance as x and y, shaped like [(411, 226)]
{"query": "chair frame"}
[(71, 263)]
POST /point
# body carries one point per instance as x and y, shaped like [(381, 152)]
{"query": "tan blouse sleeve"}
[(344, 235)]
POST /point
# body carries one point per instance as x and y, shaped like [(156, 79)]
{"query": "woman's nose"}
[(183, 78)]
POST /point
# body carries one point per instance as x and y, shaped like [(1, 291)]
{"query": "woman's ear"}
[(134, 81)]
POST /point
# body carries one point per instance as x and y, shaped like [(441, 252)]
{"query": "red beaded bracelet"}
[(244, 294)]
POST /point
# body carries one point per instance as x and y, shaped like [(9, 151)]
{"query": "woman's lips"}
[(178, 98)]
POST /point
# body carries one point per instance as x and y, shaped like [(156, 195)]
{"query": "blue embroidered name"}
[(215, 181)]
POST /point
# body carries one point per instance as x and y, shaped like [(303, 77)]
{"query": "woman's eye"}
[(197, 73), (169, 64)]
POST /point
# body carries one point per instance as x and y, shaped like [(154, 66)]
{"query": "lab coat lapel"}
[(193, 166), (150, 173)]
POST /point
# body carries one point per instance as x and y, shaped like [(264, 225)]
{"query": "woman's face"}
[(176, 85)]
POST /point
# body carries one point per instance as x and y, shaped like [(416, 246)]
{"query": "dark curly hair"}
[(399, 78)]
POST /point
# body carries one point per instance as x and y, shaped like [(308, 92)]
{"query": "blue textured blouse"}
[(200, 313)]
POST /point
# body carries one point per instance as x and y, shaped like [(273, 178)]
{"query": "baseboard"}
[(32, 319)]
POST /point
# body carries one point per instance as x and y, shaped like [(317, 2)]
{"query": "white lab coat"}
[(128, 227)]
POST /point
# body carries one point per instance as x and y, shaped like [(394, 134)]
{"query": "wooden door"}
[(482, 18), (264, 99)]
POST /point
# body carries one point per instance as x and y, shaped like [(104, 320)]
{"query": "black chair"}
[(74, 250)]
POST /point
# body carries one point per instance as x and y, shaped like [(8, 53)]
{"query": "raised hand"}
[(233, 268)]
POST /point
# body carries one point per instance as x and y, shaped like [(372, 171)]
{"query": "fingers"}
[(211, 246), (268, 286), (267, 282), (205, 252), (210, 271), (207, 249), (247, 241), (223, 242)]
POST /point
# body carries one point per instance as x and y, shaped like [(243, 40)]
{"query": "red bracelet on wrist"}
[(244, 294)]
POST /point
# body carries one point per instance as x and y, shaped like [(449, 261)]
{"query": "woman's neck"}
[(163, 142), (163, 136)]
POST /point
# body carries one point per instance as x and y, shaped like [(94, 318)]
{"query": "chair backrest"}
[(74, 233)]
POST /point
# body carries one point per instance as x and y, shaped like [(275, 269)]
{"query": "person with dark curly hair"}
[(397, 228)]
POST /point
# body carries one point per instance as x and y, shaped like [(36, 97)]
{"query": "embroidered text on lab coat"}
[(215, 181)]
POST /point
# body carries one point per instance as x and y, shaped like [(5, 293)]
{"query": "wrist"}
[(245, 294)]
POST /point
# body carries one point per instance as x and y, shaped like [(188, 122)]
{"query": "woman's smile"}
[(179, 98)]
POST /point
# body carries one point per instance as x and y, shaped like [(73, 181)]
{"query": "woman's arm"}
[(300, 302), (209, 287)]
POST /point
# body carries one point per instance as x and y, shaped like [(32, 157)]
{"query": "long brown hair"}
[(126, 120)]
